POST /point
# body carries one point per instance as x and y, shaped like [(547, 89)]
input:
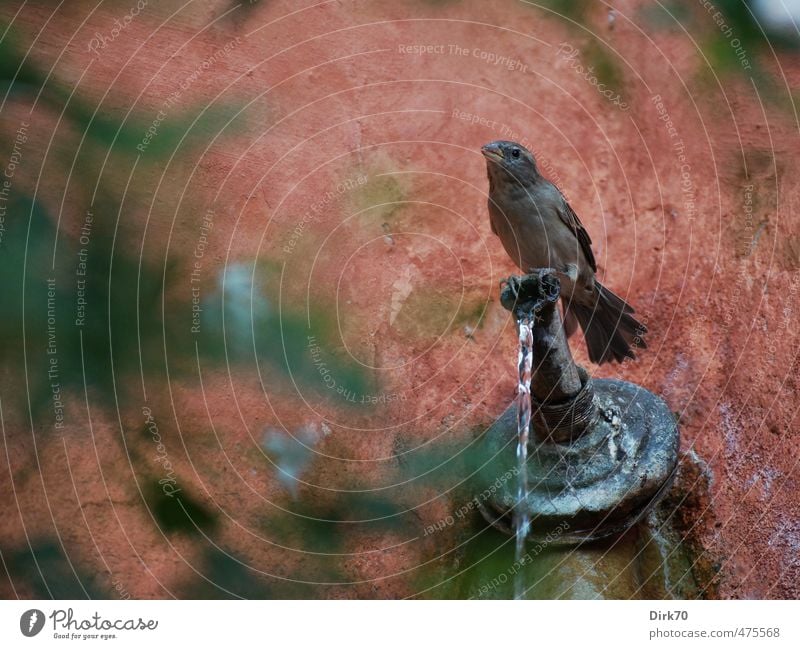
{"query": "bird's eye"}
[(515, 153)]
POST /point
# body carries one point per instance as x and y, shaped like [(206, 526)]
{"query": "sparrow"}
[(538, 229)]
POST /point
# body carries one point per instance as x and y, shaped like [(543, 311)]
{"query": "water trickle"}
[(522, 521)]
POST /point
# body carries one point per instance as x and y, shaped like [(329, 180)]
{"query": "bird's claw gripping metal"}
[(527, 295)]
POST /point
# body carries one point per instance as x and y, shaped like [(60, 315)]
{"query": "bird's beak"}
[(492, 152)]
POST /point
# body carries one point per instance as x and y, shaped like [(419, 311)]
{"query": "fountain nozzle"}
[(601, 452), (561, 392)]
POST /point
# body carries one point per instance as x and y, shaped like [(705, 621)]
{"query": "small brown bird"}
[(539, 229)]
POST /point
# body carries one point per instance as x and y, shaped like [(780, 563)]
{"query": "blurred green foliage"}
[(111, 313), (42, 567), (576, 15), (734, 43), (179, 512)]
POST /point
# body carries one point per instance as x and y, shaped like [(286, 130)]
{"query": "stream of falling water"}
[(522, 521)]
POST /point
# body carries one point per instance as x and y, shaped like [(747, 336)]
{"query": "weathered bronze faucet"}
[(602, 451)]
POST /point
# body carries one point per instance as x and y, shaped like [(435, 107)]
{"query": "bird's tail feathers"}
[(609, 327)]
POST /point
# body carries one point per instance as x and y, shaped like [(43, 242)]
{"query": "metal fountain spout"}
[(601, 451)]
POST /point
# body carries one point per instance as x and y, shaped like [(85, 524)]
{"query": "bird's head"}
[(509, 161)]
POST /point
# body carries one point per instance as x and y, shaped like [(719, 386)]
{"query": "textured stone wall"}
[(319, 165)]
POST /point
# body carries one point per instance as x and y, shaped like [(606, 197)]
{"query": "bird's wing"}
[(492, 210), (572, 221)]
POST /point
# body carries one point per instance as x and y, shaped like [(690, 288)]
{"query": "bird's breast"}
[(525, 233)]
